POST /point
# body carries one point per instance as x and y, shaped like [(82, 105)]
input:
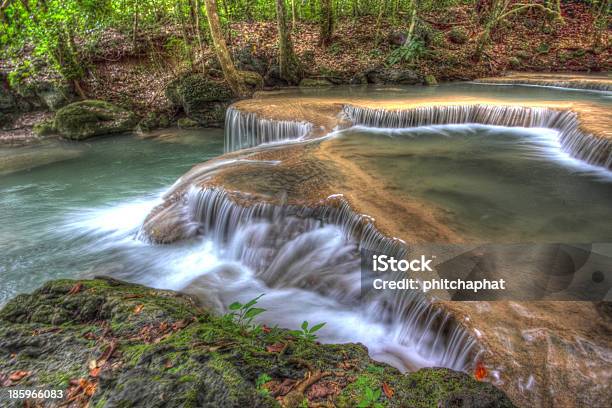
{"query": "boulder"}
[(44, 128), (85, 119), (202, 99), (314, 83), (186, 123), (401, 76), (134, 346), (430, 80), (252, 80)]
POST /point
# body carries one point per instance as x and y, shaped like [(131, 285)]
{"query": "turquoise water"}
[(494, 184), (41, 207)]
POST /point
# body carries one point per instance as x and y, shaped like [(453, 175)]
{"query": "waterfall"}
[(583, 146), (244, 130), (568, 84), (290, 246)]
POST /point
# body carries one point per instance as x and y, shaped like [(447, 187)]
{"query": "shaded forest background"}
[(129, 51)]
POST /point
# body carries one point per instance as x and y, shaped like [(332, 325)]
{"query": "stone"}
[(187, 123), (430, 80), (401, 76), (202, 99), (168, 351), (314, 83), (44, 128), (252, 80), (85, 119)]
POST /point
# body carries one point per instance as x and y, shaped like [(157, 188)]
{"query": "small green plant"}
[(369, 398), (307, 333), (411, 53), (243, 314), (261, 381)]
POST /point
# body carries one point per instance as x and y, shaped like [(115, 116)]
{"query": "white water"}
[(306, 270)]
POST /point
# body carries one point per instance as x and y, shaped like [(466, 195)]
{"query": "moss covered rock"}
[(113, 344), (84, 119), (314, 83), (201, 98), (44, 128)]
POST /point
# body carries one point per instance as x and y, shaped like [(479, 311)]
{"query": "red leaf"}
[(388, 390), (18, 375), (480, 372), (76, 288), (275, 348)]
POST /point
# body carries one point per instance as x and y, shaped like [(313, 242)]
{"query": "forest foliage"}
[(62, 33)]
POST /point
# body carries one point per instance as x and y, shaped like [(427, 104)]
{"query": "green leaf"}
[(316, 327), (251, 313), (252, 301), (235, 306), (305, 325)]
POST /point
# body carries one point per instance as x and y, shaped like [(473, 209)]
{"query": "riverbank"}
[(141, 74), (103, 342)]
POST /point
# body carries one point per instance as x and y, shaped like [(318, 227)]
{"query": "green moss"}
[(171, 353), (84, 119), (314, 83), (44, 128), (458, 35)]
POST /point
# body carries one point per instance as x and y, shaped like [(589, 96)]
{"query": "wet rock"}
[(153, 121), (202, 99), (85, 119), (186, 123), (314, 83), (142, 347), (430, 80), (44, 128), (393, 76)]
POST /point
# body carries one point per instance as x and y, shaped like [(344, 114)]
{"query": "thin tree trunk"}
[(412, 24), (287, 61), (293, 13), (198, 13), (327, 22), (231, 74)]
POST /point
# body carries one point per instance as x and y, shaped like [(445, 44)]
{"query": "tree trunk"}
[(287, 61), (198, 28), (232, 76), (326, 22)]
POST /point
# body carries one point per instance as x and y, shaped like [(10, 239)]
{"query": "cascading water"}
[(313, 253), (586, 147), (248, 130)]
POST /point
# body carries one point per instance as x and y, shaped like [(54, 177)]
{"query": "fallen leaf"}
[(480, 372), (169, 364), (388, 390), (18, 375), (76, 288), (92, 364), (275, 348), (322, 390), (138, 309)]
